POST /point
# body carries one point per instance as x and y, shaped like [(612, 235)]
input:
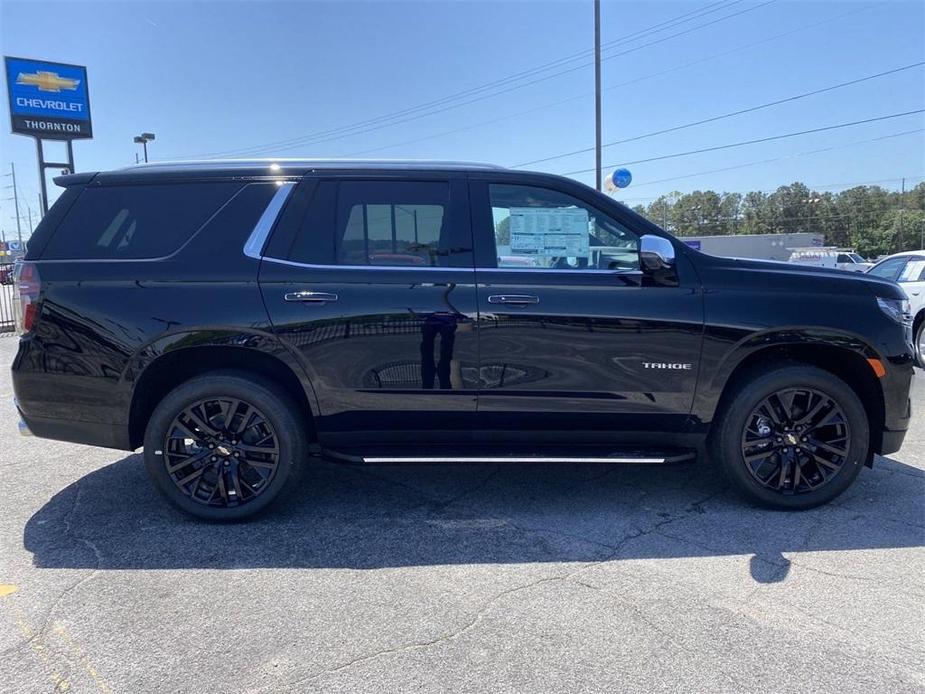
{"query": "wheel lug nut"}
[(211, 445), (227, 463), (214, 458), (237, 455)]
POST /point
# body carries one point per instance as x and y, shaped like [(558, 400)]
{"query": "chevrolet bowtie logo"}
[(47, 81)]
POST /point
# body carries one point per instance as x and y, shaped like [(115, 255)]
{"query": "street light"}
[(143, 140)]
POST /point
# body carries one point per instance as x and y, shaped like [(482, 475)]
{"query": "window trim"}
[(401, 268), (257, 240), (562, 271)]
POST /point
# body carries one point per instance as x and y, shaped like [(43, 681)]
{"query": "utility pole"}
[(597, 93), (16, 202), (902, 213)]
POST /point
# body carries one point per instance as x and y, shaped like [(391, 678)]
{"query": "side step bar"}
[(508, 459), (628, 458)]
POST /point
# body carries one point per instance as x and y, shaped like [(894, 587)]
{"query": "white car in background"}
[(827, 256), (849, 260), (909, 270)]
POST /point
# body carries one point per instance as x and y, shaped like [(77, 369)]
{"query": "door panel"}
[(591, 350), (395, 351), (594, 353), (377, 298)]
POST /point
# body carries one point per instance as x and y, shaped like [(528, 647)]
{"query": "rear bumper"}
[(89, 433)]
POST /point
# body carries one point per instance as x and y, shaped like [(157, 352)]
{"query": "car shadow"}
[(344, 516)]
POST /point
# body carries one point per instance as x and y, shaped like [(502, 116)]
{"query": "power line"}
[(782, 158), (661, 26), (635, 80), (755, 141), (740, 112), (396, 118)]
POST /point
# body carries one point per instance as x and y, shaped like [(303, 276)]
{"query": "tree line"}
[(870, 219)]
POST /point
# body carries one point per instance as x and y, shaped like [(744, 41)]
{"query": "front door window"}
[(544, 229)]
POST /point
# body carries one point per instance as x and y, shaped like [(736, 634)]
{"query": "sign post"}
[(49, 101)]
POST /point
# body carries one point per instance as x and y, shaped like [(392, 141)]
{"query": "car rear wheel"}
[(223, 446), (794, 437)]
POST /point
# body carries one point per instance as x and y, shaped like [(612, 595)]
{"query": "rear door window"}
[(381, 223), (136, 221)]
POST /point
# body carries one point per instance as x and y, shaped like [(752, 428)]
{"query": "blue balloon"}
[(622, 178)]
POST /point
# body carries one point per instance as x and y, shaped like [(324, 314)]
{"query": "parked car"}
[(830, 258), (909, 270), (849, 260), (233, 318), (6, 273)]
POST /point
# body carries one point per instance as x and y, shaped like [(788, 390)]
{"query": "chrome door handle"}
[(516, 299), (310, 297)]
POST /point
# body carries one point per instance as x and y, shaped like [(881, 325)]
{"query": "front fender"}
[(725, 351)]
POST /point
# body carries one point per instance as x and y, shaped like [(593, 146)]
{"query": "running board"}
[(622, 457), (507, 459)]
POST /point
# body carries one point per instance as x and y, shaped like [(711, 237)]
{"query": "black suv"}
[(233, 318)]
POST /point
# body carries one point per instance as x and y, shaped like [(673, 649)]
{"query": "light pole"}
[(143, 140), (597, 94)]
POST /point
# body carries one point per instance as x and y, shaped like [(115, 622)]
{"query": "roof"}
[(284, 164), (267, 167), (902, 254)]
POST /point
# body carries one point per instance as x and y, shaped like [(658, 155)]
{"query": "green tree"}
[(870, 219)]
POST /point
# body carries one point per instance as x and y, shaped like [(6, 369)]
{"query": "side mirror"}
[(656, 253)]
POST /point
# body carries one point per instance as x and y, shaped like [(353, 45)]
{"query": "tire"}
[(741, 429), (187, 437), (919, 340)]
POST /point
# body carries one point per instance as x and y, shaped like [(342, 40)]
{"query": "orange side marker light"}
[(877, 366)]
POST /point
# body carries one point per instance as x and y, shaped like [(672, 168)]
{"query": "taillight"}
[(29, 285)]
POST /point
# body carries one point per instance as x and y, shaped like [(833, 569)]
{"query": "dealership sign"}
[(48, 100)]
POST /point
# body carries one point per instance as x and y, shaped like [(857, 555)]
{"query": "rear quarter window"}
[(136, 221)]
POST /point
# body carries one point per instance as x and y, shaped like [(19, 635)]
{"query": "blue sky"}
[(214, 77)]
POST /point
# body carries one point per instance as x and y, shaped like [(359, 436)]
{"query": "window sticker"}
[(912, 271), (549, 232)]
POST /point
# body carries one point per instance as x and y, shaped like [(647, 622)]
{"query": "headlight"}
[(897, 309)]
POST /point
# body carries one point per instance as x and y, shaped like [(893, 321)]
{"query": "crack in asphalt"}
[(42, 631), (694, 507)]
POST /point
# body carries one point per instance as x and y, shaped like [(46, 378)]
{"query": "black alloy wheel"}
[(221, 452), (223, 446), (796, 440), (791, 435)]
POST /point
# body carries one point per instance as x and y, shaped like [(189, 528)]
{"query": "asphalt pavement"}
[(516, 578)]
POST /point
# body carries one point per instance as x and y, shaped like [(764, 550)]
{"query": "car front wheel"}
[(793, 437), (222, 446), (920, 343)]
